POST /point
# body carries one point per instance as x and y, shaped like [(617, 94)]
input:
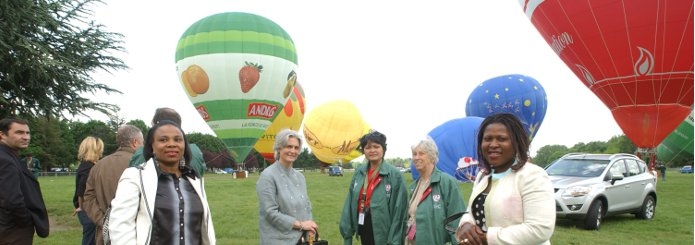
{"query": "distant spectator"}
[(89, 153), (33, 164), (662, 168), (103, 178)]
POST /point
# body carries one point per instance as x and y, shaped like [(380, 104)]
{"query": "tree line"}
[(55, 142)]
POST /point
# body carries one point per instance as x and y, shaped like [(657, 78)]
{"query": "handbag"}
[(105, 226), (311, 240)]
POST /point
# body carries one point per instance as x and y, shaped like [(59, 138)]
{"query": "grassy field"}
[(235, 212)]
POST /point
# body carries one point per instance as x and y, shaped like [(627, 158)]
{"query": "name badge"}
[(360, 218)]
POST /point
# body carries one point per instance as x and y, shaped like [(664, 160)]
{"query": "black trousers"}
[(366, 232), (18, 236)]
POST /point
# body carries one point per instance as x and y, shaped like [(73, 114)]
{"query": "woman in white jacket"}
[(163, 201), (512, 201)]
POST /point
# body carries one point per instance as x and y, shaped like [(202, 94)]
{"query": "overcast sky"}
[(408, 66)]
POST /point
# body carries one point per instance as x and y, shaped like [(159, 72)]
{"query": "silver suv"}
[(589, 187)]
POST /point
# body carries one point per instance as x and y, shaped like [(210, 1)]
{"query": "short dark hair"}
[(6, 123), (166, 113), (373, 136), (520, 140), (148, 152)]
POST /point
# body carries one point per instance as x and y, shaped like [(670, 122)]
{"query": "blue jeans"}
[(88, 229)]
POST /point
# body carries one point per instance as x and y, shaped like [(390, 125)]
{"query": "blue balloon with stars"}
[(517, 94), (456, 141)]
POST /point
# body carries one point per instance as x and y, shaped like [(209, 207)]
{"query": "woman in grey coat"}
[(284, 209)]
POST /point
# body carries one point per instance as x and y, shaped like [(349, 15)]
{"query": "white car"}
[(220, 171), (589, 187)]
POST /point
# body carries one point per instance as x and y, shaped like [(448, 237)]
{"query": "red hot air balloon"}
[(636, 56)]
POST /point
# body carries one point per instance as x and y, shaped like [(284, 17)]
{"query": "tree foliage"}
[(620, 143), (547, 154), (51, 143), (48, 51), (207, 142), (140, 124), (306, 159), (617, 144), (95, 128)]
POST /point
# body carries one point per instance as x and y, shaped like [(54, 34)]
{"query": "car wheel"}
[(648, 208), (594, 216)]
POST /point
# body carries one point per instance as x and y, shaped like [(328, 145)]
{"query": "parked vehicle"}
[(335, 171), (589, 187), (687, 169)]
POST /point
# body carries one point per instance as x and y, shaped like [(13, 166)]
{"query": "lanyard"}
[(424, 195), (370, 182)]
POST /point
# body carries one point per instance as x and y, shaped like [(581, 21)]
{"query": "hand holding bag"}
[(448, 227), (311, 240)]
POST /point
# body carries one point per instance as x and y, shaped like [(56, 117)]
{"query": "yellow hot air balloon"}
[(290, 117), (356, 153), (333, 129)]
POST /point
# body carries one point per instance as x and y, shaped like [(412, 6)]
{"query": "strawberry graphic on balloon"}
[(249, 75)]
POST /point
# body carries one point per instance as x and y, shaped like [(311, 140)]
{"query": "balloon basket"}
[(241, 174)]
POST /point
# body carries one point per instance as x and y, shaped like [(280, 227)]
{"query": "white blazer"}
[(519, 210), (131, 213)]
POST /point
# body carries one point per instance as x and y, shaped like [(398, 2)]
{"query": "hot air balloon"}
[(333, 129), (678, 144), (238, 70), (517, 94), (456, 141), (354, 154), (635, 56), (291, 117)]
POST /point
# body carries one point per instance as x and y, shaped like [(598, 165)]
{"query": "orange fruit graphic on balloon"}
[(195, 80)]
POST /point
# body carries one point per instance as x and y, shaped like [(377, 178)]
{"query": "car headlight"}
[(576, 191)]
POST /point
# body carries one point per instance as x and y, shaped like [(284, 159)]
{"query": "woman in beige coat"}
[(512, 200), (163, 200)]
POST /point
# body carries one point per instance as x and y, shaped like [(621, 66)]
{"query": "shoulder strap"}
[(144, 196), (451, 218)]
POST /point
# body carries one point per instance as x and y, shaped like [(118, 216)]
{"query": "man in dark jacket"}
[(22, 210)]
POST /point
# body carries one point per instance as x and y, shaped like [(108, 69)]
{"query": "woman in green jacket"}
[(432, 197), (375, 206)]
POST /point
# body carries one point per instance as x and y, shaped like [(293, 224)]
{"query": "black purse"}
[(315, 240)]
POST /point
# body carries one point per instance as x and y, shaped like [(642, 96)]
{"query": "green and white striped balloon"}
[(235, 68)]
